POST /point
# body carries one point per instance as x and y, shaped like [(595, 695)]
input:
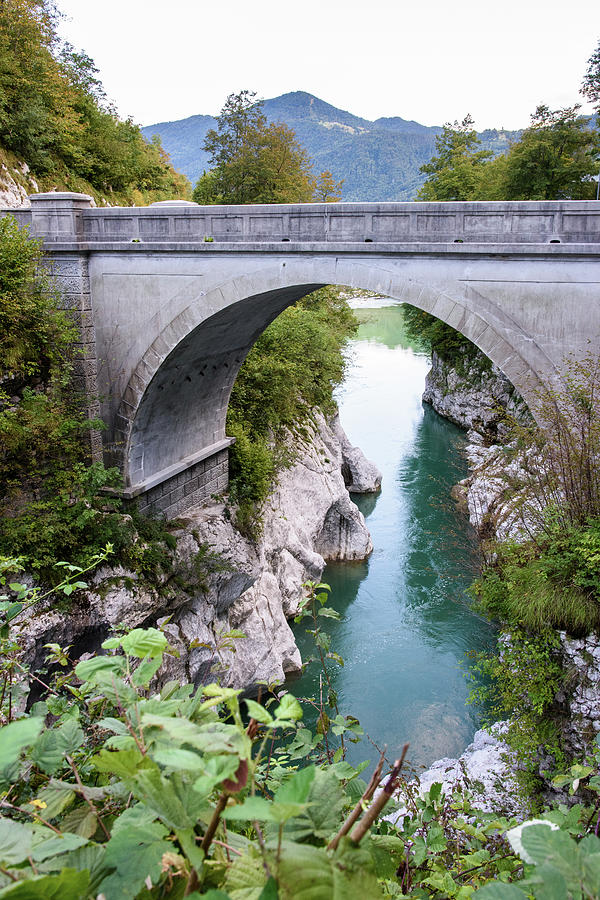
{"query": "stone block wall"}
[(70, 276), (192, 487)]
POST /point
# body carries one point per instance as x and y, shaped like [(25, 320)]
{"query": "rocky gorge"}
[(495, 496), (225, 600)]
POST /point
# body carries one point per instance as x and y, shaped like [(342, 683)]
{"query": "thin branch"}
[(89, 802), (227, 847), (33, 815), (380, 801), (366, 798), (214, 823)]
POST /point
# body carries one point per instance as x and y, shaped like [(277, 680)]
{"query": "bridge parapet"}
[(568, 221), (65, 218)]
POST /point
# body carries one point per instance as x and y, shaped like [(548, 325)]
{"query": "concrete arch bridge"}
[(171, 297)]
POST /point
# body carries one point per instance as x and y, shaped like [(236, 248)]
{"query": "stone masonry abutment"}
[(170, 299)]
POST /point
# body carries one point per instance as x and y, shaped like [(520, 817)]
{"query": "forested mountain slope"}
[(378, 160), (57, 128)]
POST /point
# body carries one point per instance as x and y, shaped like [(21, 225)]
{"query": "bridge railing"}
[(63, 217)]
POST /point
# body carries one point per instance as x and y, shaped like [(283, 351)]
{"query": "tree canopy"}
[(555, 159), (253, 161), (590, 87), (455, 171), (54, 115)]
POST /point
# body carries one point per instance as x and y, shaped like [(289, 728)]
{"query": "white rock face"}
[(473, 399), (485, 768), (220, 581), (496, 491), (581, 659), (13, 193), (360, 475)]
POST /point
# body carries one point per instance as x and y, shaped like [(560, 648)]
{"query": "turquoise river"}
[(406, 625)]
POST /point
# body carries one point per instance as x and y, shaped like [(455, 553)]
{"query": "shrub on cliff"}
[(294, 366), (552, 579), (51, 505)]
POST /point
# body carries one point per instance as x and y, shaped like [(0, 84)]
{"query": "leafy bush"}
[(51, 501), (549, 583), (520, 683), (110, 786), (450, 345), (292, 368), (55, 117)]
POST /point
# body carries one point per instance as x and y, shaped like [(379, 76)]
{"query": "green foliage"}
[(111, 787), (525, 675), (54, 115), (590, 87), (551, 580), (556, 158), (558, 864), (550, 583), (34, 335), (455, 171), (293, 367), (51, 501), (253, 162), (450, 345)]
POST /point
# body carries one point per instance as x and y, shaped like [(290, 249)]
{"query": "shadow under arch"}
[(176, 401)]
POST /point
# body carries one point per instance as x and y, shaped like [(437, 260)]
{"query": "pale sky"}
[(429, 60)]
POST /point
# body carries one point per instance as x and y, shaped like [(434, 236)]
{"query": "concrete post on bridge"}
[(57, 218)]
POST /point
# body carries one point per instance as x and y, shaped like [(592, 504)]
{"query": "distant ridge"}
[(378, 160)]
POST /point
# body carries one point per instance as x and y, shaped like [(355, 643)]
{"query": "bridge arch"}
[(175, 404)]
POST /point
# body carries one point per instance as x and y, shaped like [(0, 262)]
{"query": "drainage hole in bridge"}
[(368, 240), (554, 241)]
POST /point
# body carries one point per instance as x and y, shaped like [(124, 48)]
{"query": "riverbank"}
[(220, 585), (501, 498)]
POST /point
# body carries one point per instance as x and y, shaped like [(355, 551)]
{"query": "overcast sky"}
[(429, 60)]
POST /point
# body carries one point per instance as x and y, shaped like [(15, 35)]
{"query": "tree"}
[(327, 189), (454, 173), (556, 158), (253, 161), (590, 87)]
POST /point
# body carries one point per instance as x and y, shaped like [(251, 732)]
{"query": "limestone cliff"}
[(220, 580), (473, 394), (500, 504)]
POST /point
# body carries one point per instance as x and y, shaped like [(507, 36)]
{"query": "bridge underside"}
[(166, 383), (185, 406)]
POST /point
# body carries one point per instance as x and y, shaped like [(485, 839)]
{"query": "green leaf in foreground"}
[(135, 850), (311, 874), (15, 842), (13, 739), (68, 885)]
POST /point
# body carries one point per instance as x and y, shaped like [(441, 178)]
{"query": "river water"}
[(406, 624)]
